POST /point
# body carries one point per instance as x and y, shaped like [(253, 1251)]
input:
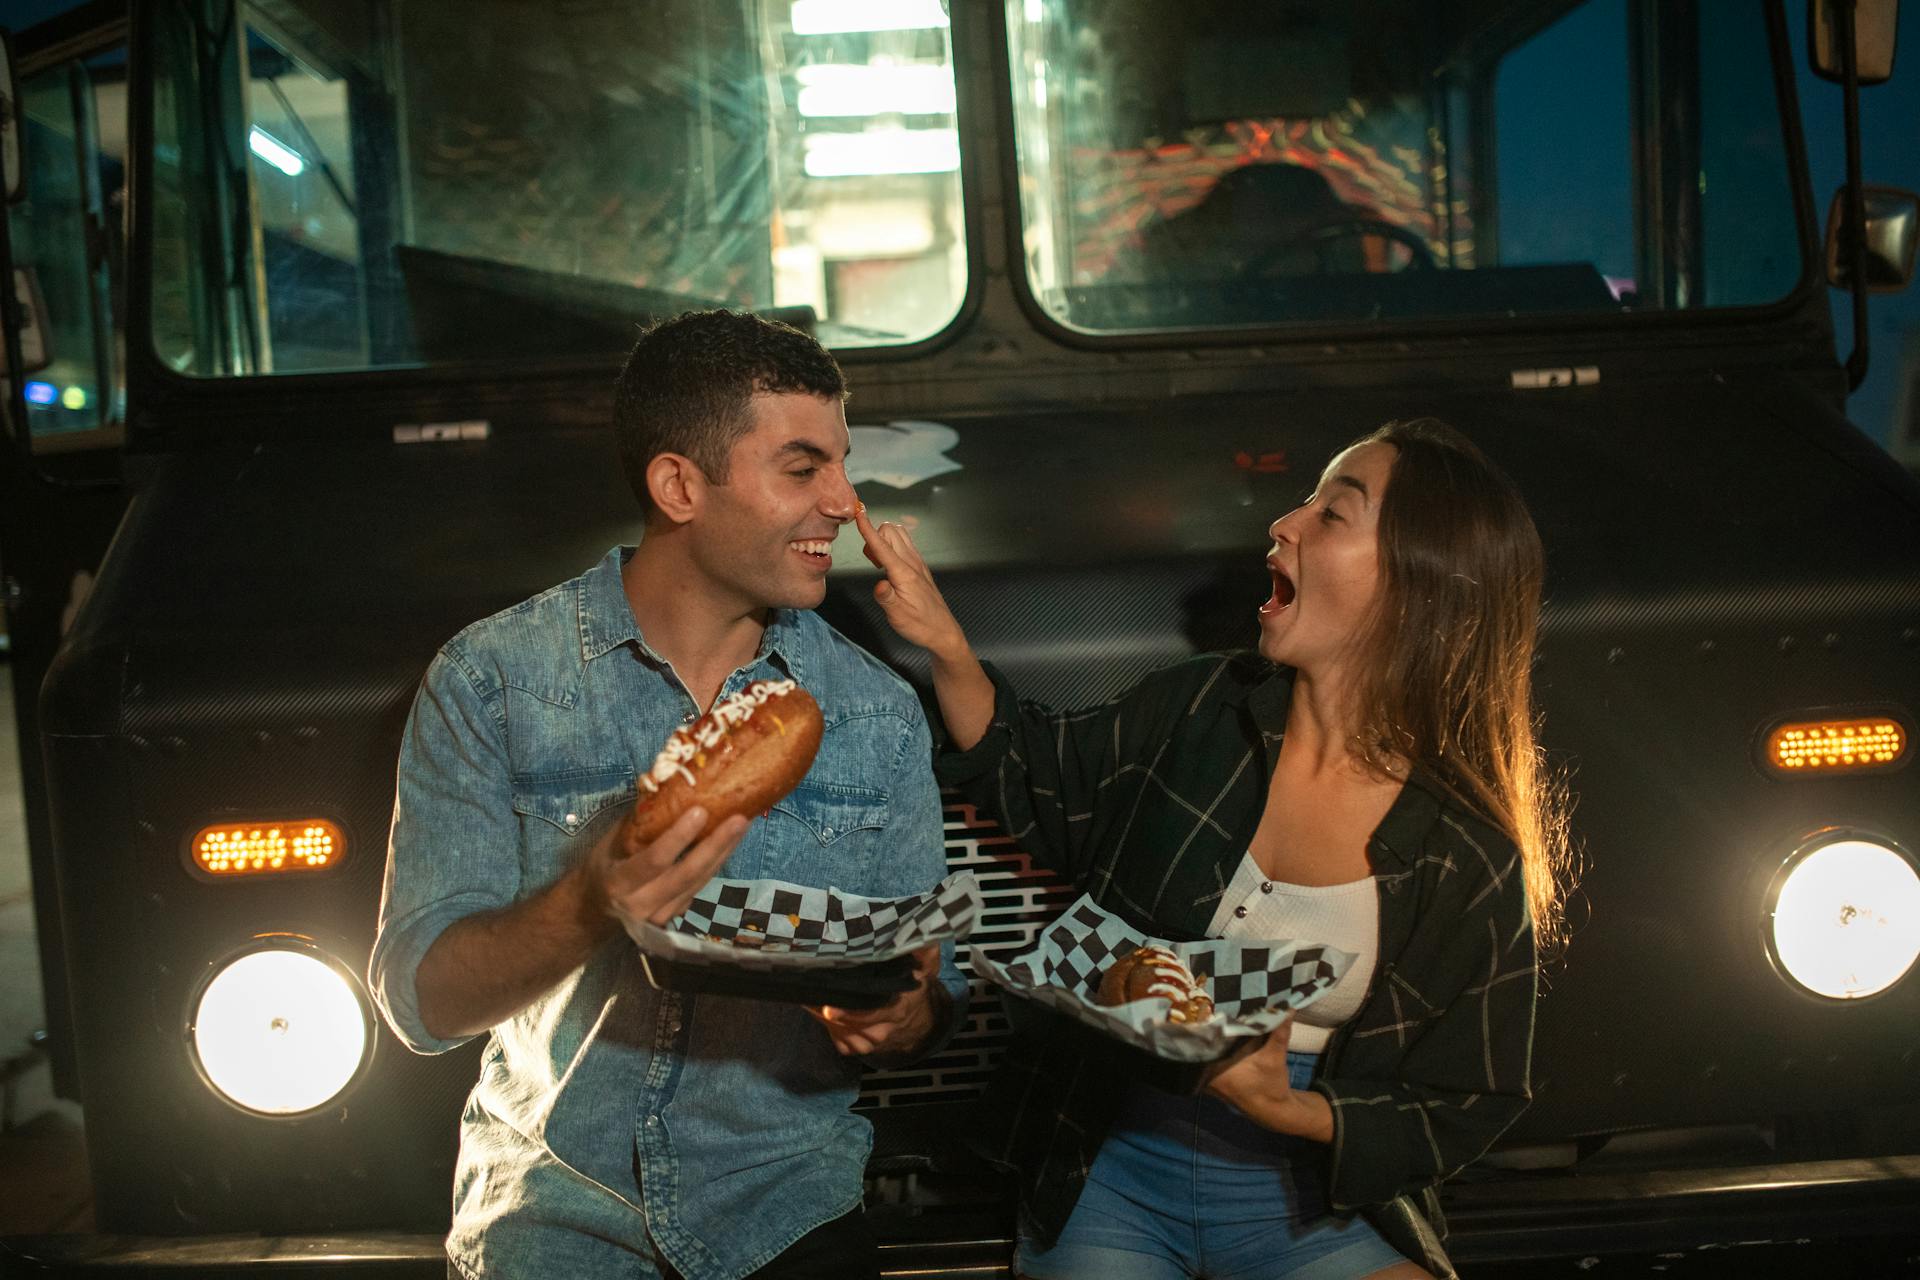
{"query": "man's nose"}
[(840, 501)]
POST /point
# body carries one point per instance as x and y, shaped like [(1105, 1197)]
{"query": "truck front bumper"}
[(1538, 1216)]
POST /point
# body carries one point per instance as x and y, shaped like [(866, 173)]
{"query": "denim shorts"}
[(1189, 1187)]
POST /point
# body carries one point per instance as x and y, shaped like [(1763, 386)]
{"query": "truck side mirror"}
[(1892, 234), (1875, 23), (12, 159)]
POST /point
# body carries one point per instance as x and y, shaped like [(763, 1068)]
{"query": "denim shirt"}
[(615, 1126)]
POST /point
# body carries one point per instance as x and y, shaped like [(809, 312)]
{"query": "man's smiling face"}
[(765, 534)]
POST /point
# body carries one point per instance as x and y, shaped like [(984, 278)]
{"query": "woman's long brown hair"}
[(1448, 659)]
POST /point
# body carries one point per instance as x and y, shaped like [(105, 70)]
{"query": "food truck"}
[(318, 309)]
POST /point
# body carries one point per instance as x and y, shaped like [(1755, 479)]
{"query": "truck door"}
[(60, 487)]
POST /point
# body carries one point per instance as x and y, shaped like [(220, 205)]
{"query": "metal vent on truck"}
[(1020, 898)]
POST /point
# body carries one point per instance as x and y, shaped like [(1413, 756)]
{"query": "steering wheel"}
[(1327, 234)]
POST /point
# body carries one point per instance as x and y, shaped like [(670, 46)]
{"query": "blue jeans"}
[(1189, 1187)]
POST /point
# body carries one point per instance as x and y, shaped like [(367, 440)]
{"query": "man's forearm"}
[(488, 967)]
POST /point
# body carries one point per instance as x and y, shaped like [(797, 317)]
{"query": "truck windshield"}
[(350, 186), (1210, 164)]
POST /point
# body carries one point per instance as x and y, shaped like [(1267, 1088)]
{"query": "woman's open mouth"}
[(1282, 591)]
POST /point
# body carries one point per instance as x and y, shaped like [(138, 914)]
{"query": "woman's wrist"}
[(1304, 1113), (1274, 1104), (953, 656)]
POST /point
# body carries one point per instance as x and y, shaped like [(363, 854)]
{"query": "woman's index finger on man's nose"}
[(874, 546)]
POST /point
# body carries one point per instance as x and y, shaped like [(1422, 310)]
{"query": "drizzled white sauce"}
[(1174, 982), (708, 731)]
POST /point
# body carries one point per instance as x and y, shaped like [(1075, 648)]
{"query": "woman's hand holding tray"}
[(1255, 986)]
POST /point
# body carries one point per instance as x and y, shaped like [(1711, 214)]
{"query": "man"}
[(617, 1130)]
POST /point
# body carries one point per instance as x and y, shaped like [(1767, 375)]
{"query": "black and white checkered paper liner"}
[(806, 930), (1254, 985)]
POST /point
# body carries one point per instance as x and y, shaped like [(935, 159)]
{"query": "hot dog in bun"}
[(739, 758)]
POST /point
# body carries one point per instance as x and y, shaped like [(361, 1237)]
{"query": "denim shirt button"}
[(827, 831), (653, 1122), (572, 818)]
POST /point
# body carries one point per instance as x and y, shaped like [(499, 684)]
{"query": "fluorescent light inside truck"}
[(835, 17), (882, 151), (280, 1031), (828, 89), (1845, 921), (275, 152)]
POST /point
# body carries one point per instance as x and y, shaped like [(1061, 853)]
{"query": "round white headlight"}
[(280, 1030), (1845, 917)]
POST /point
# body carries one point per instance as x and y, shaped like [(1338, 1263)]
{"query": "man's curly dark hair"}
[(687, 386)]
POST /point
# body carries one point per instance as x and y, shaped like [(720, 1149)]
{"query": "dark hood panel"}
[(1687, 498)]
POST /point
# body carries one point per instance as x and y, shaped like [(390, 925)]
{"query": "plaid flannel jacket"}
[(1148, 803)]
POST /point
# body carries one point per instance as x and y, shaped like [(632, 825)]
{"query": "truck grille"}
[(1020, 898)]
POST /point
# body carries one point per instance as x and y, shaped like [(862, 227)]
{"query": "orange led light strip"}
[(1827, 746), (268, 848)]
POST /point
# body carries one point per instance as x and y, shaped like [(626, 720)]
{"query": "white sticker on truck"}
[(1533, 379)]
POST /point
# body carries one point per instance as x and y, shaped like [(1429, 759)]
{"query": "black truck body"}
[(1726, 553)]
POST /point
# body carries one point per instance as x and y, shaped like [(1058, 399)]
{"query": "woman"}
[(1368, 780)]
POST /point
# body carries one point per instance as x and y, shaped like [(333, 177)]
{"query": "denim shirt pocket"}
[(569, 801), (824, 833), (833, 811)]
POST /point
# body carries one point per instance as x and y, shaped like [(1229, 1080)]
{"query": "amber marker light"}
[(230, 850), (1811, 748)]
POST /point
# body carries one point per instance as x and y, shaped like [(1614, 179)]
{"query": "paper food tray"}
[(1255, 986), (814, 946)]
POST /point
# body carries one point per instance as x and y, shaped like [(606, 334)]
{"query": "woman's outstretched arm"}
[(917, 611)]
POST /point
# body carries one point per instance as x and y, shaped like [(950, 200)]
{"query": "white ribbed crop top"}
[(1346, 916)]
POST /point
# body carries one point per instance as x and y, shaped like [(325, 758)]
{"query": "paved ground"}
[(43, 1184)]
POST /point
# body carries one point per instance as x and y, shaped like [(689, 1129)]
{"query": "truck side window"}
[(66, 244), (300, 157), (1745, 189), (1648, 145), (1566, 188)]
